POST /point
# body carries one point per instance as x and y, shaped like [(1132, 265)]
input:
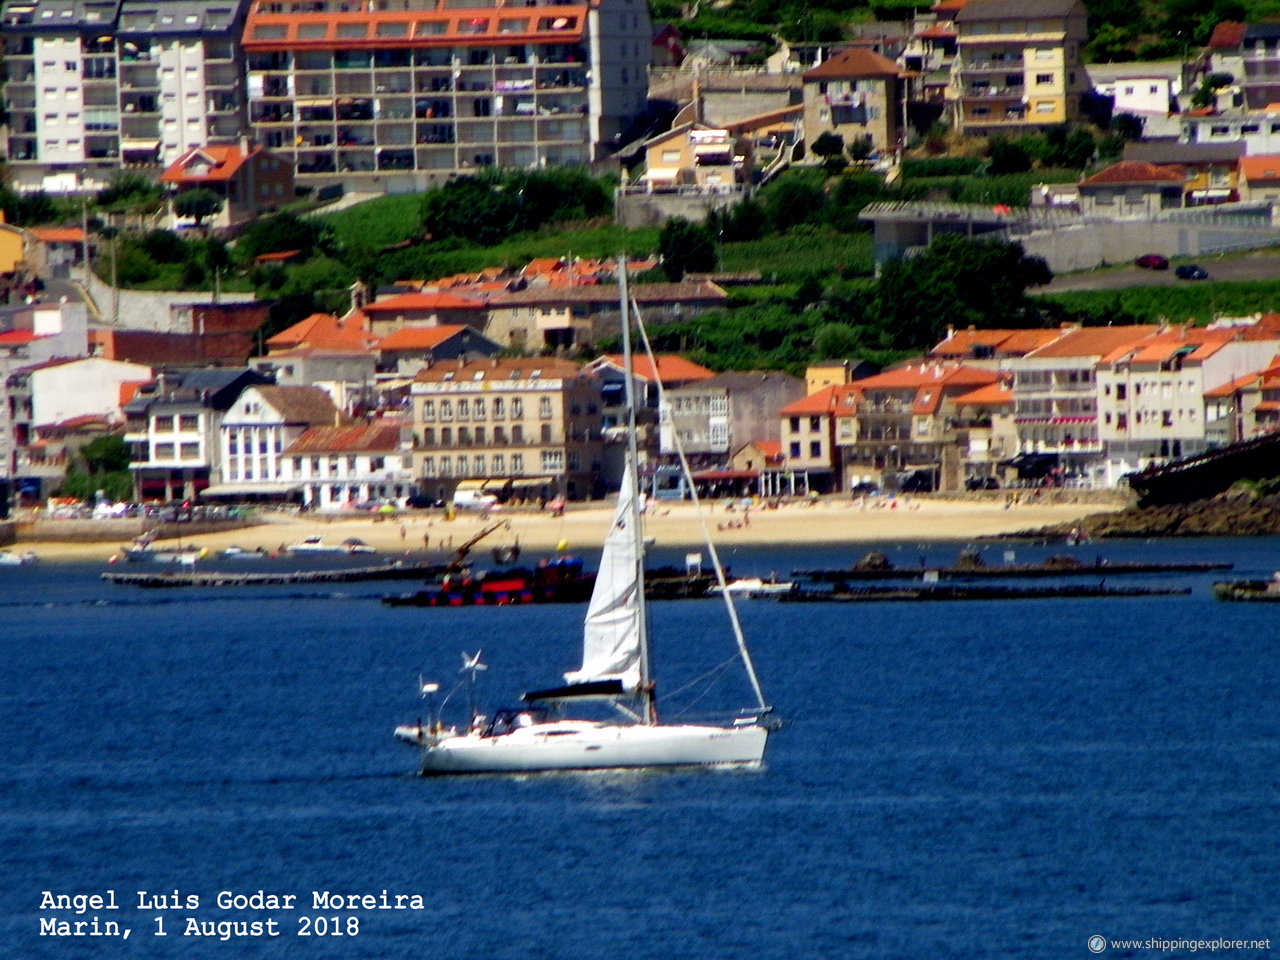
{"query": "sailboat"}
[(616, 670)]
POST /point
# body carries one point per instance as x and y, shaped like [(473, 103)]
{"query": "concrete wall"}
[(1087, 245), (150, 309), (654, 209)]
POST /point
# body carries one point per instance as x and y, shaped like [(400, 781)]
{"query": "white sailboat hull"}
[(575, 745)]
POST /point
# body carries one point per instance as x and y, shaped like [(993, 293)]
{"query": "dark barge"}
[(890, 594)]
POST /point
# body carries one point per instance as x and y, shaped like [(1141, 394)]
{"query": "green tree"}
[(198, 204), (1007, 156), (955, 282), (686, 247), (106, 453), (792, 199), (830, 147)]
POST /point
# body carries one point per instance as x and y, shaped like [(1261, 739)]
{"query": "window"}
[(815, 424), (546, 433), (517, 433), (477, 408), (446, 410), (517, 407), (1044, 106), (477, 465), (428, 409), (464, 409), (1166, 418), (428, 465), (446, 466), (190, 451), (499, 464), (795, 451), (517, 463), (164, 424), (164, 451), (794, 424), (544, 408), (497, 407), (553, 461), (815, 448)]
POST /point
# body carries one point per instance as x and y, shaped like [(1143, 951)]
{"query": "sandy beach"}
[(829, 521)]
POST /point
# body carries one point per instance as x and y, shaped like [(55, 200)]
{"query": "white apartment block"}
[(1056, 399), (95, 86), (1151, 394)]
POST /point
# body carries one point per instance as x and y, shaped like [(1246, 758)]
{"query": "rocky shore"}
[(1239, 513)]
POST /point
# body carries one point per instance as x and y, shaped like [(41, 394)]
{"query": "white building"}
[(1055, 397), (345, 466), (97, 85), (1152, 393), (257, 429)]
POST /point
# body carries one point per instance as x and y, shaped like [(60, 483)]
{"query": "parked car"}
[(1191, 271), (1152, 261)]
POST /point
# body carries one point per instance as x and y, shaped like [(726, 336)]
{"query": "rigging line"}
[(702, 519), (718, 668)]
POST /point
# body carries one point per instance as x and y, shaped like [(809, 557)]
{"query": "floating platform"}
[(1007, 571), (924, 593), (1263, 590), (396, 570)]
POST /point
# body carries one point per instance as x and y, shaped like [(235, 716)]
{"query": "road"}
[(1254, 265)]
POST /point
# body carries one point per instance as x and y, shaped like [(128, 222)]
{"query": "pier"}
[(396, 570)]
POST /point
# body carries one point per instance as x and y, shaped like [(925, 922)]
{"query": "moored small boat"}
[(1248, 589)]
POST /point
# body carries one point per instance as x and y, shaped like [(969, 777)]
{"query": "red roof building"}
[(249, 180)]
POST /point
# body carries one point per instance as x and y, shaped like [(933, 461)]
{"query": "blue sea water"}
[(965, 779)]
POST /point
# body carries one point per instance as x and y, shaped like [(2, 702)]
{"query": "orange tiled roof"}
[(420, 338), (1093, 341), (423, 301), (58, 234), (992, 395), (855, 63), (1263, 166), (543, 265), (222, 163), (323, 330), (497, 370), (1241, 383), (382, 436), (128, 388), (1134, 171), (1160, 347), (1226, 35), (831, 399), (915, 376), (671, 368), (962, 343)]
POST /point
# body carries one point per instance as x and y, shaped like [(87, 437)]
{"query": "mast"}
[(633, 475)]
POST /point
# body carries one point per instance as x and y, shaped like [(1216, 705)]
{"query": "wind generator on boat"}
[(616, 669)]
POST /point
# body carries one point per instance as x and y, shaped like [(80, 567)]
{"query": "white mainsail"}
[(612, 644)]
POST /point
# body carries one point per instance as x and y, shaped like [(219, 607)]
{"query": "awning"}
[(139, 144), (314, 102), (661, 173), (250, 489)]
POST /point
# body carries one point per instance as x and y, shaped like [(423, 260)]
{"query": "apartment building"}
[(899, 428), (715, 416), (1152, 394), (812, 430), (343, 467), (397, 96), (99, 85), (256, 430), (858, 95), (172, 426), (1018, 65), (1056, 397), (529, 426)]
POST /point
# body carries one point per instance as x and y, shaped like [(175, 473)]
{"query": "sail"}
[(611, 642)]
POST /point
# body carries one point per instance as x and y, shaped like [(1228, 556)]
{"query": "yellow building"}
[(524, 427), (12, 246), (1017, 66)]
